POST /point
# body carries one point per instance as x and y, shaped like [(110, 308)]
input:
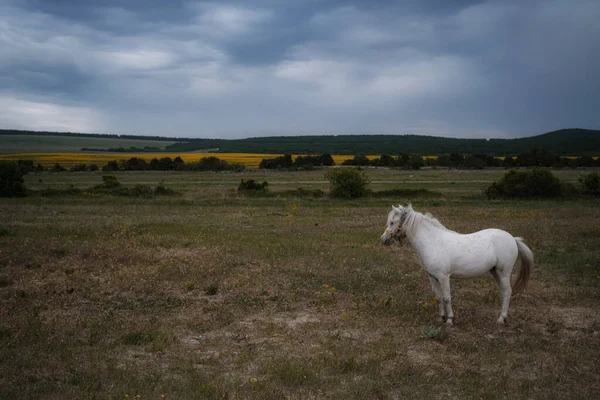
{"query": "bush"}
[(58, 168), (590, 184), (11, 179), (250, 186), (26, 165), (111, 166), (139, 190), (360, 160), (78, 168), (347, 183), (276, 163), (161, 190), (524, 184), (416, 162), (110, 182)]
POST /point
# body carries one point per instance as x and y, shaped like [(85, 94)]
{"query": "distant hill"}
[(34, 142), (563, 142)]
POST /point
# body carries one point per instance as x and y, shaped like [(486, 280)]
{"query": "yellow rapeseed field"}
[(250, 160)]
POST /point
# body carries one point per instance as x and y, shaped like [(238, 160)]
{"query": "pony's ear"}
[(395, 208)]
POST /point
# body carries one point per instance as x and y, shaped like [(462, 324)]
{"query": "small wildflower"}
[(162, 396), (588, 265), (200, 349), (253, 381), (126, 396)]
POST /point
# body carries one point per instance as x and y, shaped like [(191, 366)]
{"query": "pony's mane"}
[(414, 218)]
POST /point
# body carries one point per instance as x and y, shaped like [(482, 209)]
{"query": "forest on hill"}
[(563, 142)]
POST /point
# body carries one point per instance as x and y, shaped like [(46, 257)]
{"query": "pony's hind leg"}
[(503, 282), (435, 285)]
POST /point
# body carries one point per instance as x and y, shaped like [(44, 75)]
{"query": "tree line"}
[(140, 164), (534, 158)]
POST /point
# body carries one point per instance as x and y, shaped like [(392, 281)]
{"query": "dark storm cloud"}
[(265, 67)]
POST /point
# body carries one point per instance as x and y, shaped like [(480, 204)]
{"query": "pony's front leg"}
[(445, 287), (435, 285)]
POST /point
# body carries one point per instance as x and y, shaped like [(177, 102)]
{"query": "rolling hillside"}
[(564, 142)]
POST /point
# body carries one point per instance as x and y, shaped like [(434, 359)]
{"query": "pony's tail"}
[(526, 257)]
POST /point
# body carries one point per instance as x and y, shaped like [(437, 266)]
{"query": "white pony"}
[(445, 253)]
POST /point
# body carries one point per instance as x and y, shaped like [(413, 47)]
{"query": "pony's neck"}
[(417, 227)]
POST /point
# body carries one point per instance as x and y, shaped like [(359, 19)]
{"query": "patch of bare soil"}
[(577, 318)]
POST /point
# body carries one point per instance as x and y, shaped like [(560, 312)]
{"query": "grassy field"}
[(71, 144), (211, 295)]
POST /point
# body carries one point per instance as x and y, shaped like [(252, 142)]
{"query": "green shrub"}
[(58, 168), (250, 186), (110, 182), (111, 166), (347, 183), (161, 190), (590, 183), (433, 332), (11, 179), (525, 184), (416, 162), (78, 168), (141, 191)]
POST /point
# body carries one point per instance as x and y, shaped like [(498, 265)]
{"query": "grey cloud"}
[(238, 69)]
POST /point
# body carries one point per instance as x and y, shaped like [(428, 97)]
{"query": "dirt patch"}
[(294, 322), (182, 254), (577, 318)]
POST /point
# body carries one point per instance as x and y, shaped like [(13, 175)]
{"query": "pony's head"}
[(393, 228)]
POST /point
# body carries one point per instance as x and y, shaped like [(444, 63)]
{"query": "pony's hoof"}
[(441, 319), (449, 322), (501, 321)]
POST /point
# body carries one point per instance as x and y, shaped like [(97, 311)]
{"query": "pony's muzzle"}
[(386, 239)]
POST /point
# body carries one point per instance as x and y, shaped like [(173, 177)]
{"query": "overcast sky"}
[(233, 69)]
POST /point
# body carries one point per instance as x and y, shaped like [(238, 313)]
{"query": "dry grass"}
[(272, 298)]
